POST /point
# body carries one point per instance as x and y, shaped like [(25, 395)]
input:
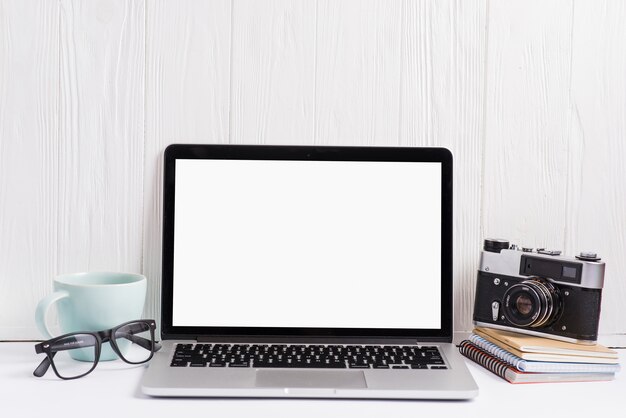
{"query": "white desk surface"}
[(112, 389)]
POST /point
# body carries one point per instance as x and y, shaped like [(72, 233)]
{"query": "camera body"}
[(539, 292)]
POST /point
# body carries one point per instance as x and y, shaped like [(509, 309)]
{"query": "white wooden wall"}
[(529, 95)]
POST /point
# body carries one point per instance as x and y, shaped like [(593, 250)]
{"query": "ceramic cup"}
[(93, 302)]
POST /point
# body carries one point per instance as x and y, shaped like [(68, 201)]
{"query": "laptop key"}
[(217, 364), (359, 366), (239, 364), (419, 366), (197, 364)]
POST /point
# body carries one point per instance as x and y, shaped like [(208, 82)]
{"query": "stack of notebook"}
[(520, 358)]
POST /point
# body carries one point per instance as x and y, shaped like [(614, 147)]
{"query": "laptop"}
[(307, 272)]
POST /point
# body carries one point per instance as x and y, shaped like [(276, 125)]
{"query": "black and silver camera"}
[(539, 292)]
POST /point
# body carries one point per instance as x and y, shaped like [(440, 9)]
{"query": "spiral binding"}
[(540, 366), (498, 352), (469, 350)]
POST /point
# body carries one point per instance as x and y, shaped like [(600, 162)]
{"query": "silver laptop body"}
[(307, 272)]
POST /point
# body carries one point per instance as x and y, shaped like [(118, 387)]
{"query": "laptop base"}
[(161, 380)]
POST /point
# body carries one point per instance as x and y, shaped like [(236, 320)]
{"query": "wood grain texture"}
[(526, 128), (100, 136), (29, 73), (272, 98), (441, 104), (187, 101), (530, 96), (596, 178), (357, 72)]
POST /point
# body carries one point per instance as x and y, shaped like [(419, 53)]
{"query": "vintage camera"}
[(539, 292)]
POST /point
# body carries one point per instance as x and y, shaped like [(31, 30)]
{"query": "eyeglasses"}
[(76, 354)]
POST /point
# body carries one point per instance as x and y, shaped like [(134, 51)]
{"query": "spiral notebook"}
[(512, 375), (540, 366)]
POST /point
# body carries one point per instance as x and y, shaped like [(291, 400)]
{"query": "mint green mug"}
[(93, 302)]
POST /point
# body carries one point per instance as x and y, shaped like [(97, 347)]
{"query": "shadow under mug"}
[(93, 302)]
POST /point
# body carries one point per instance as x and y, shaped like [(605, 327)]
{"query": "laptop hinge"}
[(315, 340)]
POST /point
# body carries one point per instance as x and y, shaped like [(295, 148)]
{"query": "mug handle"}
[(42, 311)]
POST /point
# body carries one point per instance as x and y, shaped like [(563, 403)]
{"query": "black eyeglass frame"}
[(100, 337)]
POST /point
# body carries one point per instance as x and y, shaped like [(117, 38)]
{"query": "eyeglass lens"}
[(74, 355), (134, 341)]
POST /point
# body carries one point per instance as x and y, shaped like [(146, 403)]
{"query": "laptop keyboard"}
[(308, 356)]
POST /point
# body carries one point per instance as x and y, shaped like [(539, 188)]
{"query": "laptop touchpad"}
[(310, 379)]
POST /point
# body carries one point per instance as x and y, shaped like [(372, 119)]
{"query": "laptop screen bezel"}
[(304, 153)]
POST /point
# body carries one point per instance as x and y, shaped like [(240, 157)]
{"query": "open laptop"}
[(307, 271)]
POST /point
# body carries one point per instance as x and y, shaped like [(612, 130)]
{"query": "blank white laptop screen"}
[(320, 244)]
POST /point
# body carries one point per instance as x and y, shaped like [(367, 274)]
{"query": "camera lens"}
[(532, 303), (524, 305)]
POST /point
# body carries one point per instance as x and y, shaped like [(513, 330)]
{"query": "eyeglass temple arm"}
[(143, 342), (43, 366)]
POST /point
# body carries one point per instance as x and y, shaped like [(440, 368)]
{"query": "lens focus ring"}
[(532, 303)]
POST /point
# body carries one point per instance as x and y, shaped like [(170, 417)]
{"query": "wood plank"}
[(596, 199), (529, 96), (357, 72), (273, 72), (187, 101), (101, 135), (29, 73), (441, 104), (527, 114)]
